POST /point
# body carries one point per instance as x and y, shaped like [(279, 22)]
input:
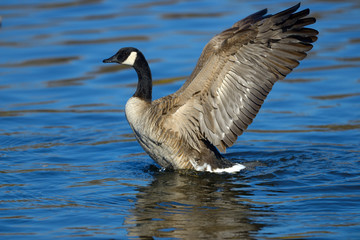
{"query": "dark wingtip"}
[(296, 6), (289, 10)]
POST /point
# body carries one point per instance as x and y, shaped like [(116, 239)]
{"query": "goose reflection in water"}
[(187, 206)]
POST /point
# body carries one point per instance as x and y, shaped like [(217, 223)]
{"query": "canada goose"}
[(233, 76)]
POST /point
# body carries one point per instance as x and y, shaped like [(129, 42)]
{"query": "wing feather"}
[(236, 71)]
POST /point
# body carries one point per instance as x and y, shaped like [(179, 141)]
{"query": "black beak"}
[(110, 60)]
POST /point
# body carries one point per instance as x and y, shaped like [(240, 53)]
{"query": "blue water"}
[(70, 167)]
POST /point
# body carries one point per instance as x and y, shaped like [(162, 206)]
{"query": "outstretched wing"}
[(237, 70)]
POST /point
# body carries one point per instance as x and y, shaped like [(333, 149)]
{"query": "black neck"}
[(144, 87)]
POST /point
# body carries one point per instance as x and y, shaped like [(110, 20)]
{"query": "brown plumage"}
[(224, 93)]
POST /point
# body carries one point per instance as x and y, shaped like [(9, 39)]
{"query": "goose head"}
[(126, 56), (133, 57)]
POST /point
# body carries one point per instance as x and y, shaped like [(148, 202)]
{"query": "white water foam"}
[(236, 168), (206, 167)]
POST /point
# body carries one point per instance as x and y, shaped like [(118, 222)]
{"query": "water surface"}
[(70, 167)]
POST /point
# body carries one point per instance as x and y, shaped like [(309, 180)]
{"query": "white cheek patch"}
[(131, 59)]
